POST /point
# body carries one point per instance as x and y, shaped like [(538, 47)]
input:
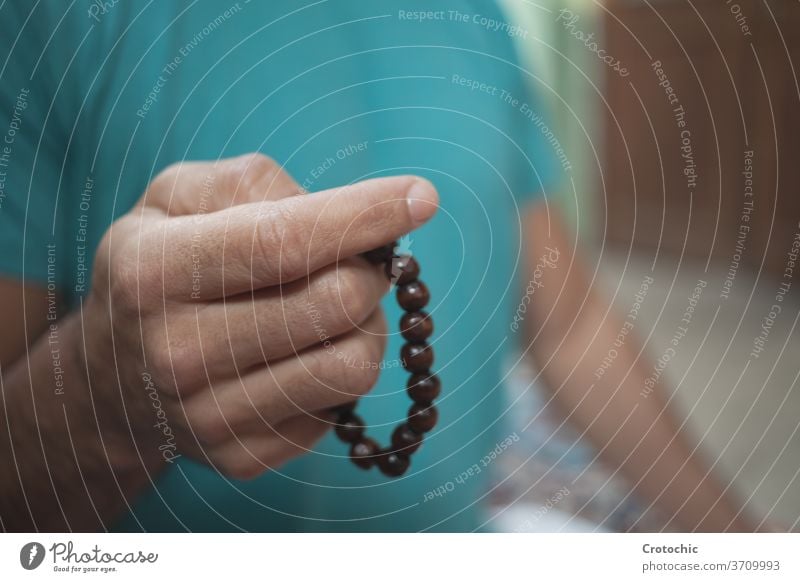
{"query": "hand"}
[(225, 307)]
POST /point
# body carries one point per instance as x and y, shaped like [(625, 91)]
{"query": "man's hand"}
[(225, 313), (241, 301)]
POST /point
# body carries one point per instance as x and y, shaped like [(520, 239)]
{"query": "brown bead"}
[(417, 358), (364, 453), (413, 296), (422, 418), (405, 441), (393, 464), (381, 254), (343, 409), (350, 428), (402, 270), (416, 326), (424, 388)]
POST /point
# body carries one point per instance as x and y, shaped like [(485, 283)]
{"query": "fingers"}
[(251, 246), (251, 454), (329, 225), (314, 380), (249, 329), (201, 187)]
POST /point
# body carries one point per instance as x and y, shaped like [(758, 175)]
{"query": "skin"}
[(231, 365), (228, 363), (570, 330)]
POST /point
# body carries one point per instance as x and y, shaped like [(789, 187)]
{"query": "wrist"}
[(65, 446)]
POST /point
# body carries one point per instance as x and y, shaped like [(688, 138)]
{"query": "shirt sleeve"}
[(32, 140)]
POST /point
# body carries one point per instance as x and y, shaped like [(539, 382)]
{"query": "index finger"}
[(251, 246)]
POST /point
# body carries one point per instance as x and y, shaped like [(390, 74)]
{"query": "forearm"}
[(571, 329), (637, 434), (65, 460)]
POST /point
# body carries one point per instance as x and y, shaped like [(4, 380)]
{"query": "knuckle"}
[(123, 279), (343, 298), (176, 366), (122, 270), (328, 296), (158, 357), (352, 367), (321, 366), (251, 173), (279, 244), (353, 294), (333, 371), (166, 178), (186, 367), (130, 282)]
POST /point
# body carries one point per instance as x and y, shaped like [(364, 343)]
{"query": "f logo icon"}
[(31, 555)]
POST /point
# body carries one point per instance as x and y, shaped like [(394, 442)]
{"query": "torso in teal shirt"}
[(337, 91)]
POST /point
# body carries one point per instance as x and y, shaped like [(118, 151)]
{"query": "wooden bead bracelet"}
[(416, 326)]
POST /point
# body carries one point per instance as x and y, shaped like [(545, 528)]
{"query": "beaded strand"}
[(416, 355)]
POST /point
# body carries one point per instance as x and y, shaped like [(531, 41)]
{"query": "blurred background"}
[(681, 122)]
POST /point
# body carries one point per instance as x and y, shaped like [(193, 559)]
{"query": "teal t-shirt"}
[(96, 99)]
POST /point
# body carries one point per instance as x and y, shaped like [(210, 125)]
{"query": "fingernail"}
[(423, 200)]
